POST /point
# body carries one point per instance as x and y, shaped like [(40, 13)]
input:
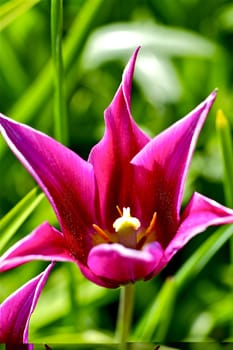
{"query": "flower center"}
[(126, 228), (128, 231)]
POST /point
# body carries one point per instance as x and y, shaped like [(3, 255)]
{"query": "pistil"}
[(126, 228)]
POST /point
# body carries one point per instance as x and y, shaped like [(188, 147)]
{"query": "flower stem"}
[(61, 129), (125, 314)]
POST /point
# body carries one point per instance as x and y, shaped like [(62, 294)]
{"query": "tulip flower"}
[(16, 310), (120, 211)]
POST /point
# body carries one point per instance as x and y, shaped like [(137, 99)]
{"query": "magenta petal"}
[(100, 281), (66, 179), (111, 156), (123, 265), (161, 168), (16, 310), (200, 213), (44, 243)]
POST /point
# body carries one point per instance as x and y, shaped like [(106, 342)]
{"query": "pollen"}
[(126, 221)]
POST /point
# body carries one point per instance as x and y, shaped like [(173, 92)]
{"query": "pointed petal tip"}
[(211, 98), (44, 243), (131, 63), (213, 94), (204, 107), (127, 78), (207, 104), (136, 51)]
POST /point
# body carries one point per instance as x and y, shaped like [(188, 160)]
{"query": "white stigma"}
[(126, 222)]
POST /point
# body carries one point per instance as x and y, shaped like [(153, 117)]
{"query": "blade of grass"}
[(60, 115), (10, 10), (11, 222), (155, 322), (11, 68), (148, 325), (200, 258), (40, 90), (225, 139), (226, 144), (37, 95)]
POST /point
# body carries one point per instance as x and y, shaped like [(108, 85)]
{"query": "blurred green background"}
[(186, 53)]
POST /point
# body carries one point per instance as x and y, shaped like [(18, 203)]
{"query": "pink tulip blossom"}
[(119, 211), (16, 310)]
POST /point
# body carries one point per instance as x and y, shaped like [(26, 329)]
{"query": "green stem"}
[(61, 129), (125, 314)]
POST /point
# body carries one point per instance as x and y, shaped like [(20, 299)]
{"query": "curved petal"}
[(111, 156), (100, 281), (16, 310), (44, 243), (161, 168), (124, 265), (66, 179), (200, 213)]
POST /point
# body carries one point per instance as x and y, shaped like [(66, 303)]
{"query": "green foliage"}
[(12, 221), (186, 53)]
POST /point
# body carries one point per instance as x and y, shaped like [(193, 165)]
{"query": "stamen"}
[(150, 229), (119, 210), (101, 232)]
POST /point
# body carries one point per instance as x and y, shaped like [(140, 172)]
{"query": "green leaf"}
[(10, 10), (225, 17), (37, 95), (200, 258), (11, 222), (155, 322), (219, 314), (60, 336), (224, 134), (11, 68), (60, 114), (88, 298), (225, 138)]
